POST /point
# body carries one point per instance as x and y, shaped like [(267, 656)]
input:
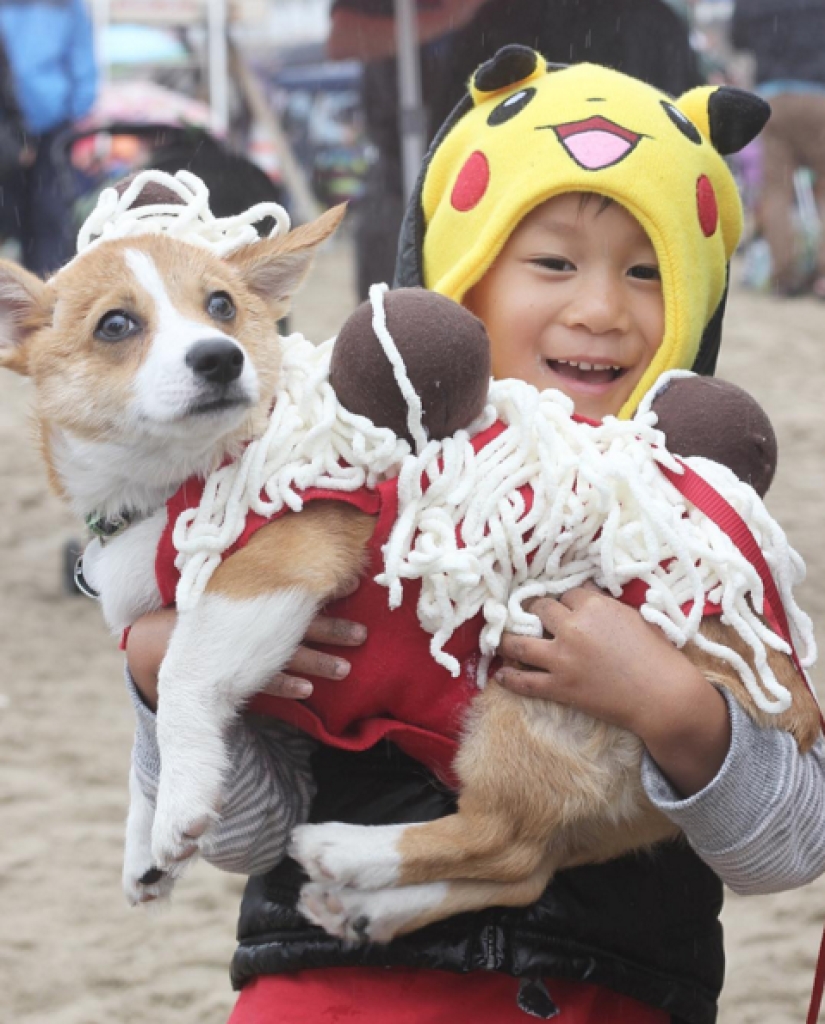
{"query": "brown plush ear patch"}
[(446, 352), (717, 420)]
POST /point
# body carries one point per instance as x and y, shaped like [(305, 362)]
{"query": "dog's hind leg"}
[(530, 772), (514, 801), (358, 916), (462, 845)]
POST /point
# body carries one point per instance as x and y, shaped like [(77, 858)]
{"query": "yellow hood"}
[(529, 131)]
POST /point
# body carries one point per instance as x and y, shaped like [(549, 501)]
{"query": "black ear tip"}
[(511, 64), (736, 117)]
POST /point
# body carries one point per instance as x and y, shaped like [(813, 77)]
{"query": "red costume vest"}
[(396, 690)]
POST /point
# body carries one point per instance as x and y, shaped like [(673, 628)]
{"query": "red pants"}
[(372, 995)]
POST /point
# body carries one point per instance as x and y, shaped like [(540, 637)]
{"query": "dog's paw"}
[(177, 836), (357, 856), (143, 881), (358, 917), (150, 885)]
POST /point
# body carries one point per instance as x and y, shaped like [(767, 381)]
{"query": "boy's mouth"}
[(586, 373)]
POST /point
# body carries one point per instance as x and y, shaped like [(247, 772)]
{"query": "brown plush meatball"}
[(152, 193), (446, 352), (718, 420)]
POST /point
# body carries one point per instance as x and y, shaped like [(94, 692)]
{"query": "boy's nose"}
[(597, 305)]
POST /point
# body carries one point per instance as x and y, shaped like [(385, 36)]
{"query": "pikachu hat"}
[(528, 131)]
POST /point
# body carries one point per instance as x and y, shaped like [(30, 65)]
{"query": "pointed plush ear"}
[(728, 118), (274, 268), (509, 66), (23, 310)]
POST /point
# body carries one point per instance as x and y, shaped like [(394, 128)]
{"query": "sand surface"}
[(71, 952)]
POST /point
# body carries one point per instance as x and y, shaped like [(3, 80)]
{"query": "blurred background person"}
[(787, 41), (50, 48), (649, 39), (14, 150)]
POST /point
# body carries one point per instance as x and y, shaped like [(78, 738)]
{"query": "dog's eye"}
[(220, 306), (116, 326)]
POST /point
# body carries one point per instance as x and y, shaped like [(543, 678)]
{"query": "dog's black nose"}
[(218, 361)]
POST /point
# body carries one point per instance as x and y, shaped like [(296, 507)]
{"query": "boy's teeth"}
[(588, 366)]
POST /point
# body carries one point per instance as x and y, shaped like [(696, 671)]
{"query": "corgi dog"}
[(153, 361)]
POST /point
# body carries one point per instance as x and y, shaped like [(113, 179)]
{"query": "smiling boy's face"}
[(574, 302)]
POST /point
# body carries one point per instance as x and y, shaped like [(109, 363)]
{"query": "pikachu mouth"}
[(596, 142)]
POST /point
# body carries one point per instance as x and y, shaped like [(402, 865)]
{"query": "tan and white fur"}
[(542, 787), (122, 424)]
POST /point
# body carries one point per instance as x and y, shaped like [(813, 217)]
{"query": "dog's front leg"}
[(142, 882), (246, 626), (222, 652)]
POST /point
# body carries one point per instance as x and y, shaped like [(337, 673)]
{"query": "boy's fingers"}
[(292, 687), (308, 662), (551, 613), (576, 597), (529, 650), (327, 630), (527, 684)]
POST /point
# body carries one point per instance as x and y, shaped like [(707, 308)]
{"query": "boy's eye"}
[(645, 272), (557, 263)]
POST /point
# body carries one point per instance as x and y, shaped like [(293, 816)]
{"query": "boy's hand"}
[(603, 659), (149, 638)]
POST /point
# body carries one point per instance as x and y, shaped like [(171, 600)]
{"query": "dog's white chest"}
[(122, 571)]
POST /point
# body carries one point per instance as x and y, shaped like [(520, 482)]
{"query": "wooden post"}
[(304, 204)]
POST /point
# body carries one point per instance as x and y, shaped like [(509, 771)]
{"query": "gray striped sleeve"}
[(760, 823), (267, 790)]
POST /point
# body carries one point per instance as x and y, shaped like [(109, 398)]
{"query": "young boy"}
[(588, 220)]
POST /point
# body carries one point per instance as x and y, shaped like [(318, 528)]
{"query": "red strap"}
[(708, 500), (819, 984), (700, 493)]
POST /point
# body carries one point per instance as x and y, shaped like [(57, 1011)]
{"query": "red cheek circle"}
[(706, 206), (471, 183)]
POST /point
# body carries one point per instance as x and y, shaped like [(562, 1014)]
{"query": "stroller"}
[(96, 157)]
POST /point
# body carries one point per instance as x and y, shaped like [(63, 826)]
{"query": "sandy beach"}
[(71, 951)]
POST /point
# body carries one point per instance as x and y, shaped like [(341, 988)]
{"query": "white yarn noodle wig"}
[(601, 508), (190, 221)]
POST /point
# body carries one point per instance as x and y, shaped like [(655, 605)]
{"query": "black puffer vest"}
[(644, 925)]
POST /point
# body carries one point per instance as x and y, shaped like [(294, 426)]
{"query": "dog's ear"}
[(23, 310), (274, 268)]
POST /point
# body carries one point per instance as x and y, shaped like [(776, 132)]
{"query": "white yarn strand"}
[(396, 361), (601, 510), (191, 220), (310, 441)]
